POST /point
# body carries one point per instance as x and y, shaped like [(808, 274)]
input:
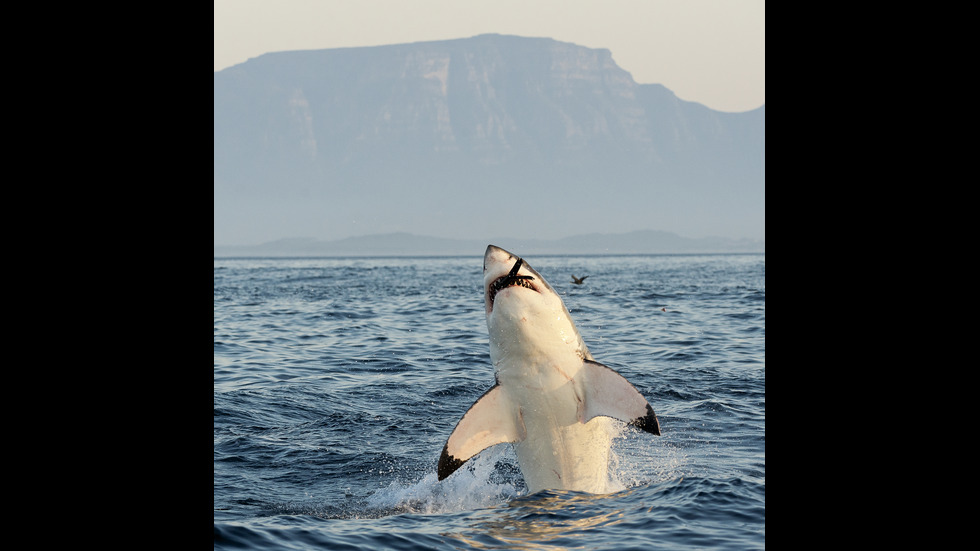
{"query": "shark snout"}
[(495, 256)]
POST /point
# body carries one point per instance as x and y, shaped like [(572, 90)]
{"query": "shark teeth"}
[(509, 281)]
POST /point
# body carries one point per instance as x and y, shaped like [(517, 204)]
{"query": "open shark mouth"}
[(510, 280)]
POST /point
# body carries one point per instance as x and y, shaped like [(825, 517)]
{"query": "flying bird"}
[(578, 280)]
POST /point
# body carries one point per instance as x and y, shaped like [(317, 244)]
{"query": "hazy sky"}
[(709, 51)]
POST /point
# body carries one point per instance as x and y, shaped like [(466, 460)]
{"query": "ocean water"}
[(338, 380)]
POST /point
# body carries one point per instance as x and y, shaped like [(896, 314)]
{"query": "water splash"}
[(478, 485), (493, 478)]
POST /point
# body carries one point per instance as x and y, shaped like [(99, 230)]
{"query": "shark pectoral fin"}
[(609, 394), (490, 420)]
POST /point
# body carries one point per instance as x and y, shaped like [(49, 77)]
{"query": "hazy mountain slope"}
[(468, 137)]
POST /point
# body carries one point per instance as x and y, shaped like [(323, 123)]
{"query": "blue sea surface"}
[(338, 380)]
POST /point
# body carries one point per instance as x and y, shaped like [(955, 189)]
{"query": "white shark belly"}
[(559, 449), (572, 457)]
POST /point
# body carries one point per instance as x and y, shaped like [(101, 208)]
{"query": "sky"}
[(709, 51)]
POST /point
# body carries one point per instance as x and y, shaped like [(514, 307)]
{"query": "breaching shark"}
[(550, 399)]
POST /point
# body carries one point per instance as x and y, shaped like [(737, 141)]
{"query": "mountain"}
[(406, 244), (480, 136)]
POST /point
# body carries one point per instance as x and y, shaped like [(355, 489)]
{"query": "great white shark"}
[(550, 399)]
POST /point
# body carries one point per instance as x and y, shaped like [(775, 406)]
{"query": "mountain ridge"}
[(464, 136), (408, 244)]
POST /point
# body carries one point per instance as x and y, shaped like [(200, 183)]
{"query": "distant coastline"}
[(407, 244)]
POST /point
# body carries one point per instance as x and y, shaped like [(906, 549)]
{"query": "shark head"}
[(522, 308), (503, 270)]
